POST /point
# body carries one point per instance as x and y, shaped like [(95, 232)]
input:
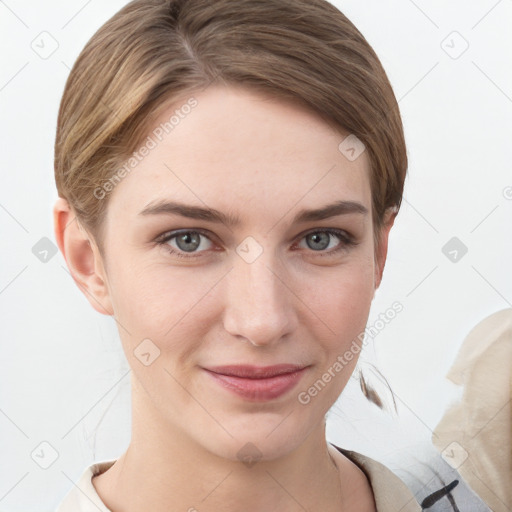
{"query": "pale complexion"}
[(263, 161)]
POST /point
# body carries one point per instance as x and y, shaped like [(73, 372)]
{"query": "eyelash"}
[(347, 241)]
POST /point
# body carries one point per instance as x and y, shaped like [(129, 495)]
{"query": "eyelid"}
[(175, 232), (337, 231)]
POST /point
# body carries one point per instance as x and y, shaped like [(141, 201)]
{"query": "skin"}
[(263, 160)]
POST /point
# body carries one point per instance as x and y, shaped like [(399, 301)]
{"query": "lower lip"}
[(259, 390)]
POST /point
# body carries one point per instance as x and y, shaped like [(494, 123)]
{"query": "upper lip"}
[(255, 372)]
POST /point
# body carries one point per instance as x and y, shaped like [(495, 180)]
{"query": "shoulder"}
[(389, 491), (83, 496)]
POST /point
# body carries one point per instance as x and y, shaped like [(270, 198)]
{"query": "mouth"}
[(257, 383), (255, 372)]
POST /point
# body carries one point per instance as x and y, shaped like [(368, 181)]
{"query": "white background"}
[(64, 379)]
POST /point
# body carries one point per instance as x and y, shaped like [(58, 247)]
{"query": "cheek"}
[(160, 302), (163, 303), (343, 306), (341, 298)]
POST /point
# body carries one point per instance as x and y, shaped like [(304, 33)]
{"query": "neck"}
[(164, 470)]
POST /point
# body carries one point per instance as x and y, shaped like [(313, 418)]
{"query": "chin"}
[(259, 436)]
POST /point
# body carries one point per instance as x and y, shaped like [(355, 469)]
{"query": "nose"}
[(259, 302)]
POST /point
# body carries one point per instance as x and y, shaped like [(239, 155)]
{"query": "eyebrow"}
[(212, 215)]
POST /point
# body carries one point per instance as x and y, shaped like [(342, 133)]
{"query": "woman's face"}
[(265, 285)]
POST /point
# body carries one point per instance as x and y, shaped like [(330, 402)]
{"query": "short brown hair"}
[(153, 51)]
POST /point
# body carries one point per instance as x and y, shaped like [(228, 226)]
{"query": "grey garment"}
[(435, 485), (438, 487)]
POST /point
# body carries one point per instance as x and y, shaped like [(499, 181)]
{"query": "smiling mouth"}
[(257, 383)]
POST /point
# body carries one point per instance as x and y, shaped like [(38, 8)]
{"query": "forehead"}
[(231, 147)]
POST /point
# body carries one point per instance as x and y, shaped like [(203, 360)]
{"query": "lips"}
[(255, 372), (257, 383)]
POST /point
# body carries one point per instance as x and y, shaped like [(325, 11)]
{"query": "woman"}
[(234, 169)]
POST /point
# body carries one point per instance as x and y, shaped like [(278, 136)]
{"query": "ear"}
[(82, 257), (381, 249)]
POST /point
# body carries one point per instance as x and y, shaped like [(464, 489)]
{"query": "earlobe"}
[(82, 257)]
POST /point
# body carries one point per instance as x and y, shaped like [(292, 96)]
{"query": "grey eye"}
[(320, 240), (188, 241)]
